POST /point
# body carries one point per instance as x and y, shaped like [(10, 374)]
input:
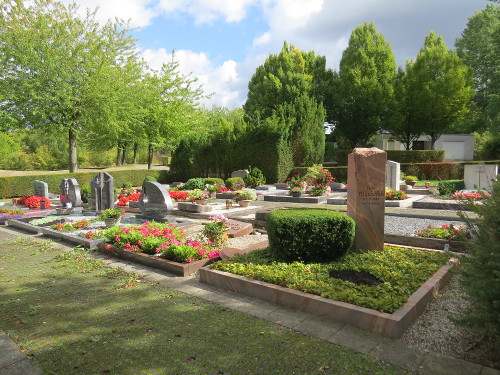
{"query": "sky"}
[(222, 42)]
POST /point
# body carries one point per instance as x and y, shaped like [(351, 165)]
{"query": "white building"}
[(458, 147)]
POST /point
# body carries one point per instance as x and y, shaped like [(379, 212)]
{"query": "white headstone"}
[(392, 175), (480, 176)]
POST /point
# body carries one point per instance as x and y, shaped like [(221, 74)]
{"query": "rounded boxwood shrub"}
[(235, 183), (194, 183), (309, 235), (150, 178), (214, 181)]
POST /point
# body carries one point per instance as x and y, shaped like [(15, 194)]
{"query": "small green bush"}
[(450, 186), (235, 183), (85, 193), (309, 235), (254, 178), (127, 185), (150, 178), (214, 181), (481, 269), (194, 183)]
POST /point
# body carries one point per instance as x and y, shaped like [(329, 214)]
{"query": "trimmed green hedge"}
[(435, 171), (416, 156), (309, 235), (18, 186)]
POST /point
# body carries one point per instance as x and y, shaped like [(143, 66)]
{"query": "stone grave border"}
[(409, 202), (388, 325), (178, 269), (290, 199)]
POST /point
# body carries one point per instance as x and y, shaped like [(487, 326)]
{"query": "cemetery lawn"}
[(73, 314), (402, 271)]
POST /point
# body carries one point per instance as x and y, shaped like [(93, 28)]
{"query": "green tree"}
[(56, 65), (479, 47), (169, 107), (442, 88), (284, 77), (364, 92), (403, 126)]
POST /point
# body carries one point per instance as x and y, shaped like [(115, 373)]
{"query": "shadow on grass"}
[(75, 315)]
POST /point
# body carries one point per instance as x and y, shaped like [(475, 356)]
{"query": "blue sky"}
[(222, 42)]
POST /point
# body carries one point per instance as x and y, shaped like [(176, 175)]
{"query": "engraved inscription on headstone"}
[(366, 196), (155, 200), (102, 192), (41, 188)]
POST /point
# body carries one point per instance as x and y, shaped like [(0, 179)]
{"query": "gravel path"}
[(406, 226)]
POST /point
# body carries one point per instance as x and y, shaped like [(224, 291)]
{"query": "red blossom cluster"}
[(178, 195), (470, 195), (33, 201), (124, 198)]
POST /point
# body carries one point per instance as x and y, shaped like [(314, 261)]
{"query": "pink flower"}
[(108, 247), (445, 226)]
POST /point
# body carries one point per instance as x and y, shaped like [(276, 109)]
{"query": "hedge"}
[(434, 171), (416, 156), (309, 235), (18, 186)]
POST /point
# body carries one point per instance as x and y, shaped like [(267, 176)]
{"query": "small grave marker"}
[(41, 188)]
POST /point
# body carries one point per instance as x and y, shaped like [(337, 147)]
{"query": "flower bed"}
[(446, 232), (10, 214), (178, 195), (470, 195), (395, 195), (128, 196), (33, 201)]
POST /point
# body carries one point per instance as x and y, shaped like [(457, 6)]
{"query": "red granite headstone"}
[(366, 196)]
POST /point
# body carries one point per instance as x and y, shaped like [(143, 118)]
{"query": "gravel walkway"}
[(407, 226)]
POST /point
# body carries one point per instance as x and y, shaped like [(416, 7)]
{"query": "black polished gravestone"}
[(155, 202), (102, 195), (69, 193)]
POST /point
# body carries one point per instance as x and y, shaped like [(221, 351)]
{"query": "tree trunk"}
[(124, 152), (136, 147), (118, 147), (150, 156), (73, 153)]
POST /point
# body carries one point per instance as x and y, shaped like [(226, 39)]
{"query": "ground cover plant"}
[(33, 201), (395, 195), (401, 270), (161, 239), (445, 232), (74, 315)]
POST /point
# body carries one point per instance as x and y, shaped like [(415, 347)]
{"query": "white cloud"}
[(208, 11), (263, 39), (137, 11), (223, 81)]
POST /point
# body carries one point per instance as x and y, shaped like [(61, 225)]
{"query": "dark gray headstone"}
[(69, 192), (41, 188), (102, 194), (155, 200)]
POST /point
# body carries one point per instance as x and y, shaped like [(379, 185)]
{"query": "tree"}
[(479, 47), (284, 77), (403, 126), (442, 88), (365, 91), (55, 67), (168, 106)]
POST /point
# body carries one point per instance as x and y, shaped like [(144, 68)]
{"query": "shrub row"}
[(416, 156), (309, 235), (434, 171), (17, 186)]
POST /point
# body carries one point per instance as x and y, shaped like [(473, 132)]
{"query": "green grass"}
[(402, 271), (74, 315)]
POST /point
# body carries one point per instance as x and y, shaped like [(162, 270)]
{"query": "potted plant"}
[(111, 216), (411, 180), (243, 197), (198, 196), (212, 190), (217, 231)]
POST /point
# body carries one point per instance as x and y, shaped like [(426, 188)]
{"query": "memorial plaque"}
[(480, 176), (41, 189), (102, 195), (155, 200), (366, 196)]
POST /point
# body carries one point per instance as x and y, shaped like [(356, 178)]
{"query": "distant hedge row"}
[(17, 186)]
